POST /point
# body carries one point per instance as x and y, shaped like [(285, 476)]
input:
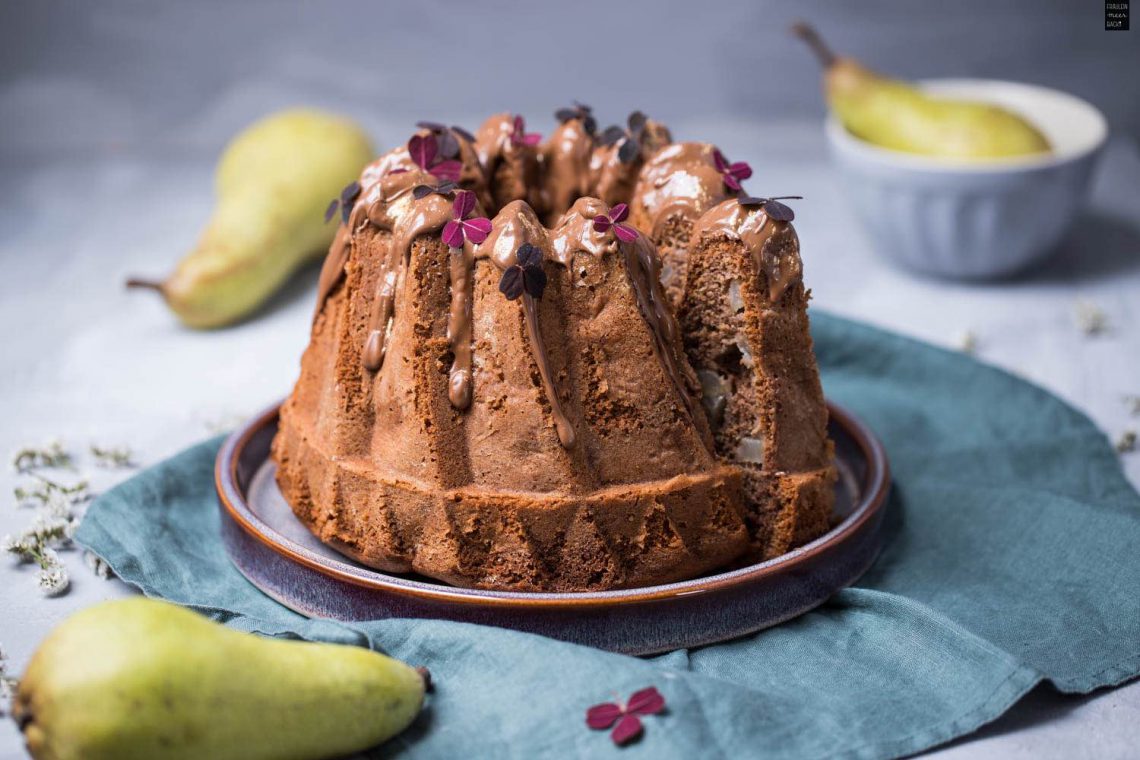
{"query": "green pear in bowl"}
[(140, 679), (898, 115), (273, 183)]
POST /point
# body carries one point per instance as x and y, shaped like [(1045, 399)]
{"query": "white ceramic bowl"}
[(976, 220)]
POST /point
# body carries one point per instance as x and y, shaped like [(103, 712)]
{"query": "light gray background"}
[(112, 114)]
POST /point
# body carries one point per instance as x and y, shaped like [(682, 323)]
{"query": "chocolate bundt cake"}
[(497, 392)]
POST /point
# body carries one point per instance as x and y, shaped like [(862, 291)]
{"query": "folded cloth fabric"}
[(1011, 558)]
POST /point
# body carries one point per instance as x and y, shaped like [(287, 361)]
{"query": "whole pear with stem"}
[(273, 184), (140, 679), (901, 116)]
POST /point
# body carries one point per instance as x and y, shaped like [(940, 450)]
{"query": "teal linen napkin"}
[(1012, 558)]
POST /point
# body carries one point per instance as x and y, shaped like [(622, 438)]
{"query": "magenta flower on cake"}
[(605, 222), (521, 137), (733, 173), (424, 150), (462, 228)]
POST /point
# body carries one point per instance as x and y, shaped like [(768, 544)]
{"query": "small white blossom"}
[(1091, 319), (97, 565), (1126, 442), (53, 580), (967, 342)]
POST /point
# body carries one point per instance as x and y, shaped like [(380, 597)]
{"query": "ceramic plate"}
[(278, 554)]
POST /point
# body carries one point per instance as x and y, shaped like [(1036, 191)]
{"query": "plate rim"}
[(876, 486)]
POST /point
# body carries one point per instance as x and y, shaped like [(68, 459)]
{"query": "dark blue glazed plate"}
[(279, 555)]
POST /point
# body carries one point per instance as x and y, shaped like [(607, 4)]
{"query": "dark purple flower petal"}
[(566, 114), (778, 211), (612, 134), (333, 204), (447, 170), (603, 716), (520, 126), (740, 170), (345, 212), (477, 229), (463, 133), (629, 150), (646, 702), (619, 212), (434, 126), (422, 149), (448, 145), (731, 182), (453, 234), (590, 124), (422, 191), (625, 233), (602, 223), (531, 138), (464, 204), (636, 122), (748, 200), (528, 255), (626, 730), (511, 285), (534, 280), (349, 193), (719, 160)]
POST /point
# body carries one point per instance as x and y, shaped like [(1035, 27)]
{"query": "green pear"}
[(900, 116), (273, 184), (139, 679)]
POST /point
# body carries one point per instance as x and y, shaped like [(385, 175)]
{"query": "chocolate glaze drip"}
[(566, 166), (514, 225), (459, 319), (772, 244), (512, 169), (680, 180)]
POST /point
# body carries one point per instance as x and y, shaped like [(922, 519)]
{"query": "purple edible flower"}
[(443, 188), (604, 222), (461, 228), (578, 111), (733, 173), (644, 702), (526, 275), (630, 138), (772, 206), (424, 150), (521, 137), (345, 202)]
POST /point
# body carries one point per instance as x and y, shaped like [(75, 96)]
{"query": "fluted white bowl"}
[(981, 219)]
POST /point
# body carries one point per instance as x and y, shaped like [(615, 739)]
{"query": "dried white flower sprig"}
[(1126, 443), (118, 457), (51, 457), (1091, 319), (58, 510), (7, 683), (967, 342)]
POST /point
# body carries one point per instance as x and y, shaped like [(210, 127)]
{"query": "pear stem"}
[(808, 34), (135, 282)]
